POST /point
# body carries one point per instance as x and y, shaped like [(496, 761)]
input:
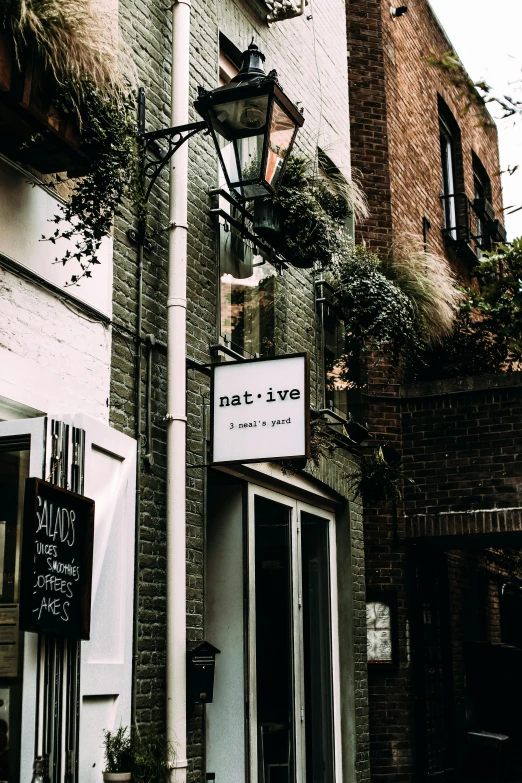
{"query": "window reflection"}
[(247, 282)]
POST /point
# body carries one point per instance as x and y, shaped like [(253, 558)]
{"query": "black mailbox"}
[(201, 664)]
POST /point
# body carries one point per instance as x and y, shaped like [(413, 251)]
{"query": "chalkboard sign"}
[(56, 571)]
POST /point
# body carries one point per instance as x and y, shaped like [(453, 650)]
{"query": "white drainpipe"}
[(176, 402)]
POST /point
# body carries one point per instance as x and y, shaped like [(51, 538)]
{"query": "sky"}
[(486, 34)]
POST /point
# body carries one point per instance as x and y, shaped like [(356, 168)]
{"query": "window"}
[(451, 159), (481, 205), (14, 469), (511, 613), (272, 611), (247, 295), (381, 628), (342, 383), (247, 279)]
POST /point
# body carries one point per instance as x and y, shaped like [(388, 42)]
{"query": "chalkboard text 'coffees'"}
[(56, 571)]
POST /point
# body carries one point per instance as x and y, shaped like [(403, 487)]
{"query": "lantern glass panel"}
[(281, 134), (243, 162), (235, 119)]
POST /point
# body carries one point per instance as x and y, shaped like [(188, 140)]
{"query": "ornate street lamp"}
[(253, 125)]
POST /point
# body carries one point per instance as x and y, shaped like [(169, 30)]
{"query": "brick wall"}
[(412, 87), (461, 447), (395, 127), (310, 56), (369, 118), (395, 145), (460, 441)]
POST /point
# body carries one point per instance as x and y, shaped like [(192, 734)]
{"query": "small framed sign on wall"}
[(56, 573), (260, 410)]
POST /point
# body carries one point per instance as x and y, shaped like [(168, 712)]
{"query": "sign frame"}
[(81, 628), (306, 356)]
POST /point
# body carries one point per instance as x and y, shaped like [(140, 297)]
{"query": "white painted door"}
[(106, 666), (106, 670)]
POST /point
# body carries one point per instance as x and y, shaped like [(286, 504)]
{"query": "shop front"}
[(274, 573), (58, 694)]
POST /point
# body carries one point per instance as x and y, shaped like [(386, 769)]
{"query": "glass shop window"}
[(14, 469), (293, 647)]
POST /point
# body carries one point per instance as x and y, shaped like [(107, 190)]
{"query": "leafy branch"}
[(109, 140)]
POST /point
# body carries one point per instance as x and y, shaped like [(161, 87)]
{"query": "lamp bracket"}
[(155, 163)]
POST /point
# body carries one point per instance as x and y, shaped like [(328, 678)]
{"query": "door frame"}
[(296, 508), (35, 429)]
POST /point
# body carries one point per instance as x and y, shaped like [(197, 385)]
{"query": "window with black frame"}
[(453, 203), (343, 372), (247, 282), (482, 207)]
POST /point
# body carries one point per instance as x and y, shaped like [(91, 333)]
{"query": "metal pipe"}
[(176, 418), (149, 452), (142, 231)]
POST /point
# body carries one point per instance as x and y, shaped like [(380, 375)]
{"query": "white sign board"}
[(261, 409)]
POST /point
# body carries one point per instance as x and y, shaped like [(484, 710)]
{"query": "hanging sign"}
[(261, 409), (58, 530)]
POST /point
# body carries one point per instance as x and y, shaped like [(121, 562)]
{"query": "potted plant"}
[(151, 756), (118, 755)]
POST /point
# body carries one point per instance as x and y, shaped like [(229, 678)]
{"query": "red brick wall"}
[(395, 146), (394, 122), (413, 125), (368, 118), (462, 448)]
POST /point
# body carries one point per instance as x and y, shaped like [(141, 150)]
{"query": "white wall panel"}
[(51, 356)]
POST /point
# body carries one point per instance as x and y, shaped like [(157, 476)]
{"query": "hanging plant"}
[(72, 41), (314, 210), (378, 478), (403, 304), (322, 444), (375, 312), (486, 338), (109, 141), (430, 284), (89, 80)]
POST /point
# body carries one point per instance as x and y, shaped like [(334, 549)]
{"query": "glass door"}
[(292, 641)]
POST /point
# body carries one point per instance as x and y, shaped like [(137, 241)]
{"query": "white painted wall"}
[(51, 356), (26, 213), (225, 735)]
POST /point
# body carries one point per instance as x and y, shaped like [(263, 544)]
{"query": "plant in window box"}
[(313, 211), (43, 44)]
